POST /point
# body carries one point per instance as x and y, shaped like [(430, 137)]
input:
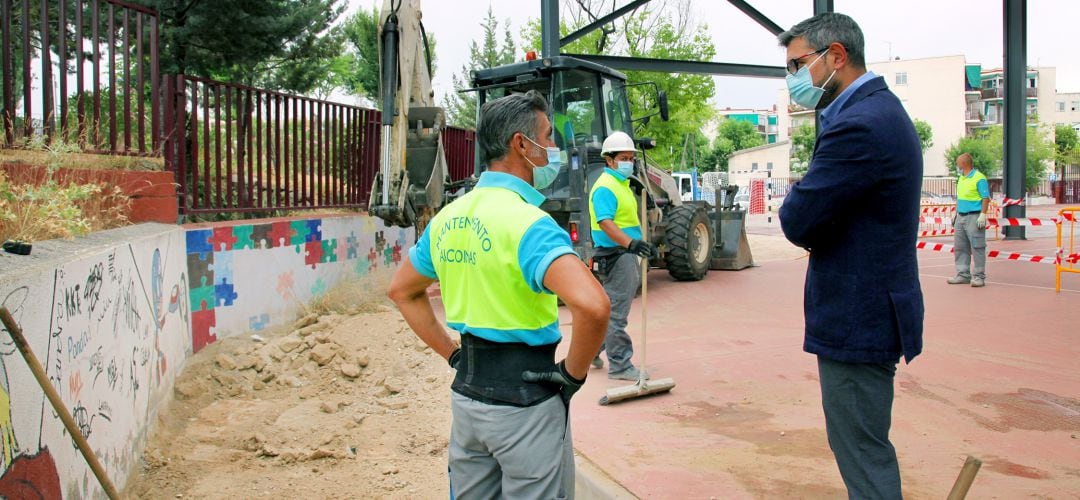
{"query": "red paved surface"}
[(999, 378)]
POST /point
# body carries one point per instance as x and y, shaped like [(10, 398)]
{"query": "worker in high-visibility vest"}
[(503, 264), (616, 233), (972, 202)]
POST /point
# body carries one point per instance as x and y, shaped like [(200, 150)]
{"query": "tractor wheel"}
[(689, 243)]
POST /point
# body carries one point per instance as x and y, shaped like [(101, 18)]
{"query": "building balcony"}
[(998, 93), (972, 95), (971, 116)]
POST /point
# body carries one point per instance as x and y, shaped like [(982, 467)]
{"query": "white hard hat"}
[(616, 142)]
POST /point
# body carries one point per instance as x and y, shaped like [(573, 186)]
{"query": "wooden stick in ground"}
[(57, 404), (967, 476)]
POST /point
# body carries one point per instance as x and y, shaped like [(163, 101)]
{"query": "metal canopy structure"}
[(1015, 48)]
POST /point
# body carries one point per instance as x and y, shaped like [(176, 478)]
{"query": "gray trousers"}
[(510, 452), (857, 398), (621, 283), (969, 244)]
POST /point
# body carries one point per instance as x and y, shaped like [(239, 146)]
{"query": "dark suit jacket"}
[(857, 212)]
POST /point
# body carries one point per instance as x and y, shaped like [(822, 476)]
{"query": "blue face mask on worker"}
[(801, 86), (544, 175), (624, 168)]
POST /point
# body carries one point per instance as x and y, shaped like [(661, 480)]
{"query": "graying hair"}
[(826, 28), (502, 118)]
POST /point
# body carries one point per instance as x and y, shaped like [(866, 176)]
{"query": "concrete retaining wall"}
[(114, 316)]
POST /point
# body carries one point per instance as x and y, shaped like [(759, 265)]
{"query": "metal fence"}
[(236, 148), (98, 66)]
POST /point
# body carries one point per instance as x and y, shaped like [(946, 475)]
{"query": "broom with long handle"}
[(643, 387)]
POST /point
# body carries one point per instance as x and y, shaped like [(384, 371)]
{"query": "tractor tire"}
[(689, 243)]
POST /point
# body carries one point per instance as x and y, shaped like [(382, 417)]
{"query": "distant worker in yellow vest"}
[(502, 264), (616, 233), (972, 201)]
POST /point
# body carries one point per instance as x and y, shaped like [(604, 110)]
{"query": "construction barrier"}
[(936, 219), (1067, 257)]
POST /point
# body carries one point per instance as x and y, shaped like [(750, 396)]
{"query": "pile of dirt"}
[(338, 406)]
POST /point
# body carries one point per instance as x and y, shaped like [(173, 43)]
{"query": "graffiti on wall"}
[(256, 273), (105, 333)]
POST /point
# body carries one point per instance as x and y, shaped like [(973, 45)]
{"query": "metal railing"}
[(999, 92), (107, 48), (236, 148), (240, 149)]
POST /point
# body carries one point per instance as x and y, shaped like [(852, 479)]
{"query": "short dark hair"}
[(502, 118), (824, 29)]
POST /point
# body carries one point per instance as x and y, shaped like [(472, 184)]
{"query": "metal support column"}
[(1015, 157), (823, 6), (549, 27)]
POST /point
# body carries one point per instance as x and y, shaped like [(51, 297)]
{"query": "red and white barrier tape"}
[(937, 232), (1000, 222), (1009, 201), (941, 209), (996, 254)]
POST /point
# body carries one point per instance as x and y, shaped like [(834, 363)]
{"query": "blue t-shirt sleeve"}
[(542, 243), (984, 188), (420, 256), (604, 204)]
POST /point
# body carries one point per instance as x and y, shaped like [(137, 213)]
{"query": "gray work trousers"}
[(509, 451), (857, 399), (969, 245), (621, 282)]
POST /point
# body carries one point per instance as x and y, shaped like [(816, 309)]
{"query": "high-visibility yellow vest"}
[(626, 214), (967, 188), (474, 250)]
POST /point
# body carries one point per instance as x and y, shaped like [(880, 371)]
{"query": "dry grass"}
[(352, 296), (75, 159), (35, 212)]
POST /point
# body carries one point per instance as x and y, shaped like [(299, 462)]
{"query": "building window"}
[(1032, 109), (1076, 105), (1061, 105), (901, 78), (1031, 83), (753, 167), (768, 166)]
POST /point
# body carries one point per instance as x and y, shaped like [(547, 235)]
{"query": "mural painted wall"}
[(250, 276), (111, 327)]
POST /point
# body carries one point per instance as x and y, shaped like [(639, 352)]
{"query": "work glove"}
[(981, 222), (454, 358), (643, 249), (568, 385)]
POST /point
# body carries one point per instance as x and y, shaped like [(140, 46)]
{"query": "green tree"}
[(926, 134), (986, 149), (461, 106), (732, 136), (1066, 147), (802, 147), (279, 44)]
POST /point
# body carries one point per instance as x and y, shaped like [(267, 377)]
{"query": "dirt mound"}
[(335, 407)]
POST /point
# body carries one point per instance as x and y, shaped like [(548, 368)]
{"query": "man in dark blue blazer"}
[(857, 212)]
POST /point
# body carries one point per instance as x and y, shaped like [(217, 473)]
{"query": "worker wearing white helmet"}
[(616, 233)]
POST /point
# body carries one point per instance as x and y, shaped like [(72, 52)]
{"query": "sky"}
[(908, 29)]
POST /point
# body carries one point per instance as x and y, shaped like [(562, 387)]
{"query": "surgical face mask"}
[(544, 175), (802, 89), (624, 168)]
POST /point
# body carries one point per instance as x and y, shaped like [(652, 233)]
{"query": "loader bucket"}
[(732, 250)]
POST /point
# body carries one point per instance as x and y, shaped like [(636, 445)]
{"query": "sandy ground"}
[(335, 406), (339, 406)]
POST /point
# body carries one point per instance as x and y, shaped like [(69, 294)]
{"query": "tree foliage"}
[(488, 53), (926, 134), (802, 148), (278, 44), (987, 151), (731, 136), (1066, 146)]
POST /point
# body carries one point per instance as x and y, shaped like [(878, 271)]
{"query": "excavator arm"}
[(410, 184)]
